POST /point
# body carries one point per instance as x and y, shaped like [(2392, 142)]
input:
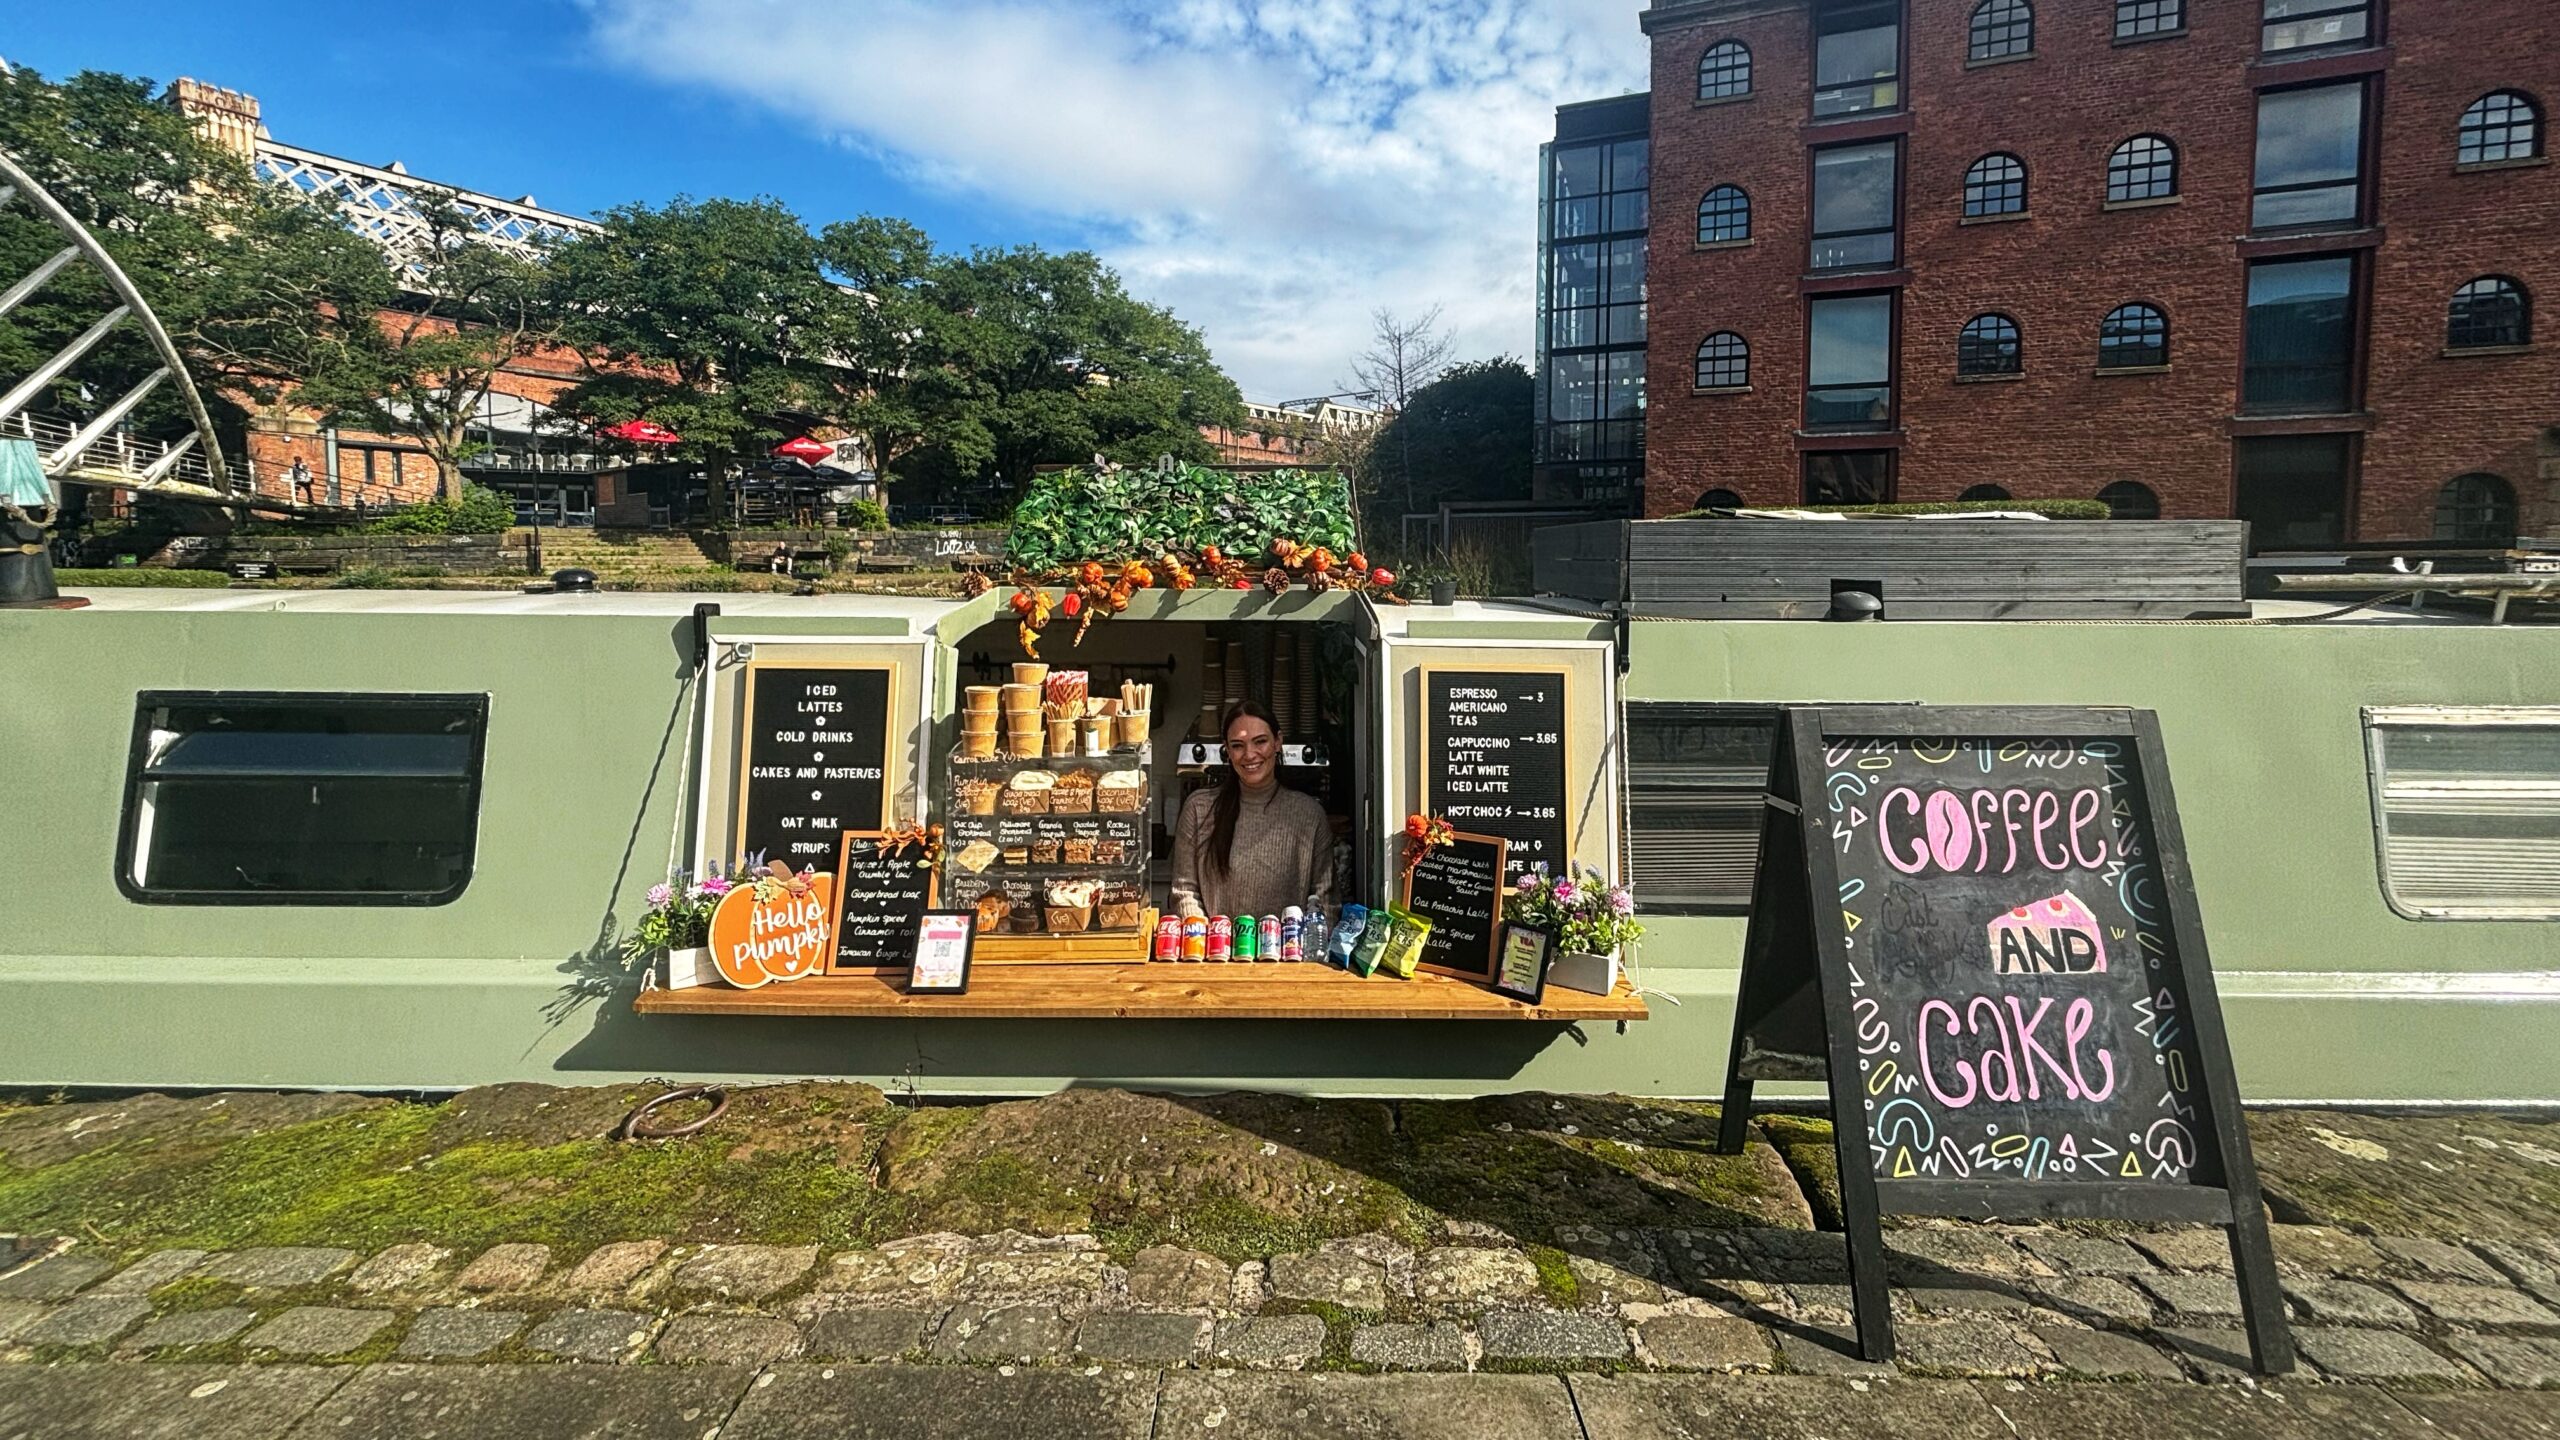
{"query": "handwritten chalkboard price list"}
[(1498, 761)]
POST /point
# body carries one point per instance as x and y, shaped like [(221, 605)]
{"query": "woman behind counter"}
[(1249, 846)]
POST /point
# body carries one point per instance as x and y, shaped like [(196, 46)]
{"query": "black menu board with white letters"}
[(1493, 760), (813, 761)]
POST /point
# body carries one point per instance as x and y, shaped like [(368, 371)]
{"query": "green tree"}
[(709, 317), (886, 382), (1046, 359), (424, 366), (1461, 436), (247, 278)]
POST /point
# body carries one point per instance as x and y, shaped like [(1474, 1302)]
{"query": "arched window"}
[(2001, 27), (2133, 336), (1724, 215), (2478, 509), (1985, 492), (1989, 345), (1724, 361), (1718, 500), (2501, 125), (1724, 71), (1996, 185), (2488, 311), (2138, 18), (2142, 168), (2130, 500)]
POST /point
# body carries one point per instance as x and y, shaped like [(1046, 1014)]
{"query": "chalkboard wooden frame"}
[(1794, 1019), (1428, 760), (1493, 924), (844, 869), (889, 736)]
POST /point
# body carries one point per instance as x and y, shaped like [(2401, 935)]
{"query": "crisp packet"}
[(1373, 943), (1404, 947)]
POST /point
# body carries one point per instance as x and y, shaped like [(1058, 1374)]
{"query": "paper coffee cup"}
[(1030, 675), (1062, 736), (981, 697), (978, 746), (1022, 699), (977, 722), (1133, 727)]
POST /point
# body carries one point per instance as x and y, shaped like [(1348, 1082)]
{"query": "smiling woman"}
[(1251, 846)]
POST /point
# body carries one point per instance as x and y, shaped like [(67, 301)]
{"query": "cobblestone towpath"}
[(1207, 1285)]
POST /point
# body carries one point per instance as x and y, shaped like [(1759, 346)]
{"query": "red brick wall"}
[(2062, 429)]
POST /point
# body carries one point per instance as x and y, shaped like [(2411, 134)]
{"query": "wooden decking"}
[(1152, 991)]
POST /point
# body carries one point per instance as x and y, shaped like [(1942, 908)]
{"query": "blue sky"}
[(1273, 170)]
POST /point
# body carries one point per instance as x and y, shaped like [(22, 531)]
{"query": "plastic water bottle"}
[(1346, 936), (1316, 935), (1292, 933)]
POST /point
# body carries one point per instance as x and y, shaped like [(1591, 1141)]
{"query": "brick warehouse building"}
[(2267, 258)]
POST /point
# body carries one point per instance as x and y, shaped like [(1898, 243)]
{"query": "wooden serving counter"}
[(1153, 990)]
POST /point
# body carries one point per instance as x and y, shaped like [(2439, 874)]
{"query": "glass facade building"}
[(1594, 198)]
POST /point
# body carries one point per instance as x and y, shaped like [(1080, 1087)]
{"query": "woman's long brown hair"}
[(1230, 798)]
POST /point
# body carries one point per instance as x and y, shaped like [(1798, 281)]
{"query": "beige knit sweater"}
[(1283, 854)]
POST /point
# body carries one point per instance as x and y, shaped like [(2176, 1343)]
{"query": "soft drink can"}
[(1169, 938), (1195, 938), (1270, 938), (1248, 938), (1292, 926), (1222, 938)]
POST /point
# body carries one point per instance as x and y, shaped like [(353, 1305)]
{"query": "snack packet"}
[(1363, 960)]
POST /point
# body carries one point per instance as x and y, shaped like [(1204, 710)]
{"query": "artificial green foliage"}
[(2049, 509), (1081, 514)]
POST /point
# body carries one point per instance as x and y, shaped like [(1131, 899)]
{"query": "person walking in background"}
[(301, 480)]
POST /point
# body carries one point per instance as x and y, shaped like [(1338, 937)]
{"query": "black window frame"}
[(1886, 460), (2156, 349), (2143, 19), (2000, 29), (2471, 132), (2126, 171), (2463, 511), (2358, 181), (1982, 348), (1891, 384), (1736, 354), (2275, 379), (2123, 491), (1727, 201), (1718, 498), (1995, 186), (2319, 10), (2464, 331), (1875, 94), (1725, 60), (140, 774), (1717, 884), (1892, 229)]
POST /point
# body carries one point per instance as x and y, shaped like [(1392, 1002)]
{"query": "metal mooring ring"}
[(633, 1125)]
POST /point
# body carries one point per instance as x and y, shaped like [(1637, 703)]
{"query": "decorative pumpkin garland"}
[(1422, 835), (1095, 590)]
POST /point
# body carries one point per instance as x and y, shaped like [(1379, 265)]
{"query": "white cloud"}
[(1273, 170)]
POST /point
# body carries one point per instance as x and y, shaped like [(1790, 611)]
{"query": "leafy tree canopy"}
[(1463, 436)]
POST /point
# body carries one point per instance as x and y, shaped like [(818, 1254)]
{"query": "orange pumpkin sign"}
[(756, 941)]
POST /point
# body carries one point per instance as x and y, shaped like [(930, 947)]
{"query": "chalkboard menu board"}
[(1979, 925), (1458, 888), (1494, 761), (813, 761), (881, 897)]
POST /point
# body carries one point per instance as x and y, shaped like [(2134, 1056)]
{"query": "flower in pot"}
[(1593, 922), (677, 926)]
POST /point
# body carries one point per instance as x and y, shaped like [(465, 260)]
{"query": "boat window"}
[(2466, 810), (302, 799), (1695, 774)]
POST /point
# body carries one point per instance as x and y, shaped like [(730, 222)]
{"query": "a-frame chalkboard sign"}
[(1978, 924)]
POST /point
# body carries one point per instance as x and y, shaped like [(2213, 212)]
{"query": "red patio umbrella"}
[(642, 432), (805, 449)]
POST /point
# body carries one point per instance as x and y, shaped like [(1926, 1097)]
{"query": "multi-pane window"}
[(2300, 347), (1995, 185), (2310, 156), (1724, 361), (1695, 777), (2133, 336), (1600, 189), (1724, 71), (1855, 204), (2130, 500), (2501, 125), (2138, 18), (286, 799), (2488, 311), (2000, 28), (1849, 362), (1857, 57), (1595, 405), (1594, 305), (2477, 510), (2466, 810), (2142, 168), (1989, 345), (1724, 215), (2311, 24)]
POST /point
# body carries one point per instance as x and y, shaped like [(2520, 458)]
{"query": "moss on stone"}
[(195, 1292), (1556, 1279), (1806, 1144)]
